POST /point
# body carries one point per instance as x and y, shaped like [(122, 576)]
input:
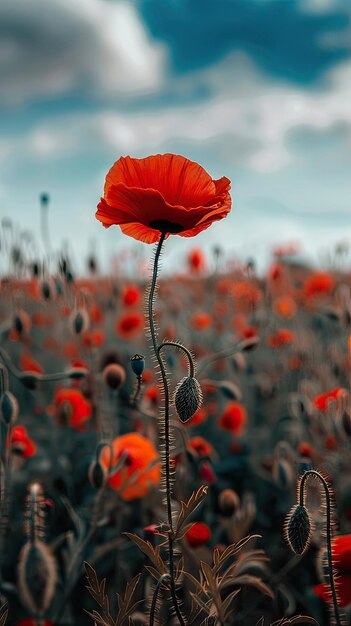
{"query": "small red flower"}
[(196, 260), (234, 418), (162, 193), (73, 408), (21, 441), (130, 325), (341, 556), (140, 470), (201, 321), (28, 364), (198, 535), (200, 446), (318, 284), (283, 337), (131, 295), (322, 401), (32, 622)]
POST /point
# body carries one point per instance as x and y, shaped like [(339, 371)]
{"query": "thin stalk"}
[(328, 523), (187, 352), (160, 581), (166, 459)]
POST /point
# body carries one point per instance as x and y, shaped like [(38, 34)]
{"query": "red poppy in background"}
[(28, 364), (198, 534), (21, 441), (341, 555), (140, 469), (162, 193), (196, 260), (200, 446), (322, 401), (131, 295), (201, 321), (71, 405), (130, 324), (318, 284), (282, 337), (234, 418)]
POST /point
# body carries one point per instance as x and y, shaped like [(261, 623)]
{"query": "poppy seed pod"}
[(114, 376), (8, 407), (298, 529), (187, 398), (137, 363), (228, 502)]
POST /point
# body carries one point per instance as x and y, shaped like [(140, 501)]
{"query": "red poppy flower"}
[(196, 260), (131, 295), (198, 534), (322, 401), (94, 338), (73, 407), (234, 418), (130, 325), (140, 469), (28, 364), (200, 446), (282, 337), (201, 321), (341, 555), (21, 441), (318, 284), (162, 193)]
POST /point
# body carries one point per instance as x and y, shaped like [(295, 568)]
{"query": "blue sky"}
[(257, 90)]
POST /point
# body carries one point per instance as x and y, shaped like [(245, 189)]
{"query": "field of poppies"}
[(174, 449)]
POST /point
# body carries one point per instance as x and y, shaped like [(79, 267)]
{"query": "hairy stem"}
[(328, 524), (166, 459), (187, 352), (160, 581)]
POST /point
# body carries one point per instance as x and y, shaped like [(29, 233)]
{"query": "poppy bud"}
[(298, 529), (187, 398), (249, 344), (8, 407), (230, 390), (137, 363), (46, 290), (97, 474), (30, 380), (77, 373), (114, 376), (79, 321), (22, 322), (229, 502), (44, 199), (346, 423), (36, 576)]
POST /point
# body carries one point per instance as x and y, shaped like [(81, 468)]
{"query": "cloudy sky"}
[(257, 90)]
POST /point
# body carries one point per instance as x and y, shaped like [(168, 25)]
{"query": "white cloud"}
[(251, 128), (56, 47)]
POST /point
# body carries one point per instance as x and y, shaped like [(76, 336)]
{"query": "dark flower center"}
[(165, 226)]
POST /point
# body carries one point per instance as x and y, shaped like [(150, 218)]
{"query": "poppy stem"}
[(167, 457), (304, 478), (159, 584), (187, 352)]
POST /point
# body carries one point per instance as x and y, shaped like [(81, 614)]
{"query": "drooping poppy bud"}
[(298, 529), (187, 398), (8, 407), (114, 376)]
